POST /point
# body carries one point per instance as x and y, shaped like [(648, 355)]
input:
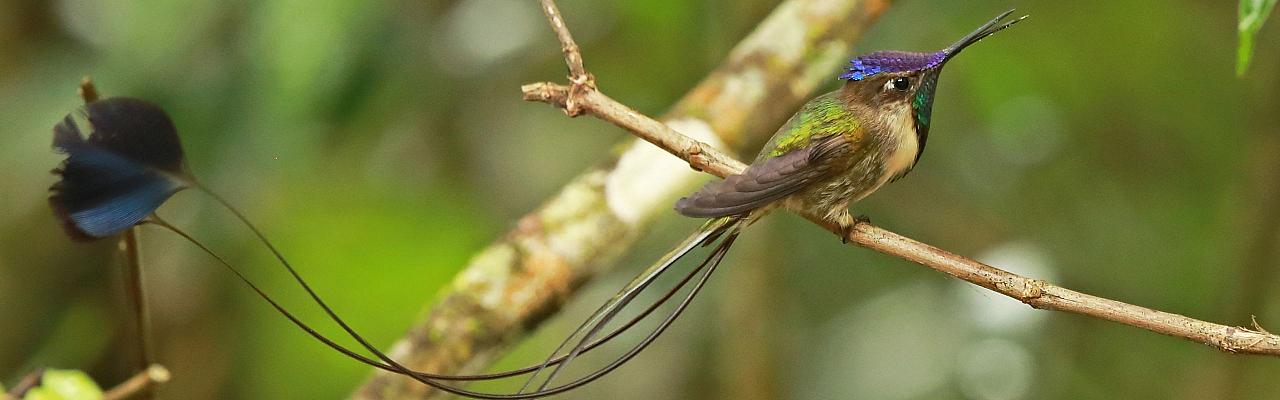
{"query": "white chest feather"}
[(902, 145), (896, 144)]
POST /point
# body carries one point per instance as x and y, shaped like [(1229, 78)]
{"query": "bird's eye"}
[(900, 84)]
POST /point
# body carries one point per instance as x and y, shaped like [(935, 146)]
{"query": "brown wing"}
[(766, 181)]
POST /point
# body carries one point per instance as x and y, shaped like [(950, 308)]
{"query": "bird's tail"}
[(726, 228)]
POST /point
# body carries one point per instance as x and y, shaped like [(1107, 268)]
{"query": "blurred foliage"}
[(1105, 147), (64, 384), (1253, 13)]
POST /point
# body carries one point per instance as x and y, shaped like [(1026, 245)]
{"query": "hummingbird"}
[(836, 150)]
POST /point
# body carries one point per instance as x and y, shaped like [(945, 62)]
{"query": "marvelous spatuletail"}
[(837, 149)]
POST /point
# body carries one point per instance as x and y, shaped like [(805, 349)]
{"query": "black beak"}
[(987, 29)]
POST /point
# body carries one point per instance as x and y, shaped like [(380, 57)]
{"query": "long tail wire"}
[(427, 378), (609, 308), (710, 263)]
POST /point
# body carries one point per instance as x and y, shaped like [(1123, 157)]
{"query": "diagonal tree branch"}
[(1033, 292), (518, 281)]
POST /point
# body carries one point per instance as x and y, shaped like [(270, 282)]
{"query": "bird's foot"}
[(847, 223), (861, 219)]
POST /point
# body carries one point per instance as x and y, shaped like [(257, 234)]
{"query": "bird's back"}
[(823, 116)]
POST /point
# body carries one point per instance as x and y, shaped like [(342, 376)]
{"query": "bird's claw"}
[(861, 219), (848, 224)]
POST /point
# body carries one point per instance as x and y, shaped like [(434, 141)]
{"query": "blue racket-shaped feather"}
[(130, 163)]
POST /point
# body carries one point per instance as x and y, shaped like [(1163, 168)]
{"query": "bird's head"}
[(887, 80)]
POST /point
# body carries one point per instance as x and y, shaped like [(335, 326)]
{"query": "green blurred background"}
[(1104, 146)]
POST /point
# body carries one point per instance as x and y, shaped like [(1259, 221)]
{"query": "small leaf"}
[(65, 384), (1252, 14)]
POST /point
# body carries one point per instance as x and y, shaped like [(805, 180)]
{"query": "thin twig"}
[(137, 299), (133, 269), (1033, 292), (572, 56), (140, 384), (28, 382), (699, 155), (86, 91)]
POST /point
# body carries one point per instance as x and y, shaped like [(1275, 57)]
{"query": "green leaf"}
[(1252, 14), (65, 384)]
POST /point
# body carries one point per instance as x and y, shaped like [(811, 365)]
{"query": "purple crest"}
[(891, 61), (901, 61)]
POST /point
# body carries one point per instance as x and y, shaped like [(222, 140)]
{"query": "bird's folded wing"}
[(767, 180)]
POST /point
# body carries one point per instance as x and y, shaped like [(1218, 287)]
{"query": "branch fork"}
[(579, 86), (580, 81)]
